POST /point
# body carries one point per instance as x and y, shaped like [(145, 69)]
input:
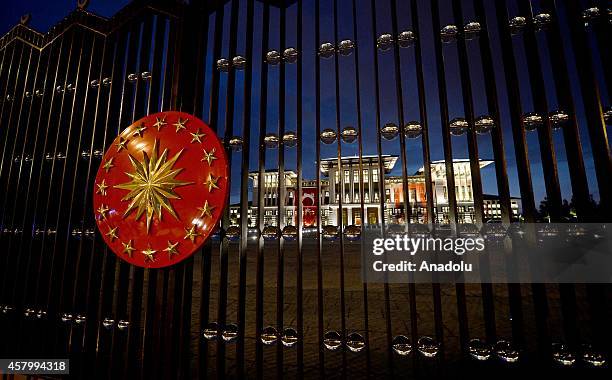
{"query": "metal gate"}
[(340, 117)]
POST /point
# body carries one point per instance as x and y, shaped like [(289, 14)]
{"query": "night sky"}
[(47, 13)]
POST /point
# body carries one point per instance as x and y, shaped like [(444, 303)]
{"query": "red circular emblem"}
[(161, 189)]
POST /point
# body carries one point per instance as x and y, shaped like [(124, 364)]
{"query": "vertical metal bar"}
[(381, 182), (443, 103), (592, 105), (206, 251), (298, 199), (344, 332), (244, 187), (603, 30), (320, 305), (150, 316), (109, 261), (547, 151), (123, 269), (468, 103), (524, 176), (571, 135), (423, 118), (260, 194), (400, 114), (366, 324), (280, 268), (229, 129)]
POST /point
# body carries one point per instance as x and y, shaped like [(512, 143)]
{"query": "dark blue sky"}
[(47, 13)]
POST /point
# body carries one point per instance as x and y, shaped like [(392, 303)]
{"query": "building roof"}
[(441, 163), (367, 160)]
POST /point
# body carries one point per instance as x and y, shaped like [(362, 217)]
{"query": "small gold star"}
[(180, 124), (121, 144), (102, 210), (139, 130), (149, 254), (159, 123), (197, 136), (108, 164), (191, 233), (172, 249), (206, 210), (102, 186), (209, 156), (211, 182), (112, 233), (128, 248)]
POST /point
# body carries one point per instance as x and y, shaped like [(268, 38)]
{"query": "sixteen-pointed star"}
[(121, 144), (128, 248), (211, 182), (197, 136), (159, 123), (152, 185), (206, 210), (102, 186), (112, 233), (209, 156), (108, 164), (172, 249), (191, 233), (139, 131), (149, 253), (180, 124)]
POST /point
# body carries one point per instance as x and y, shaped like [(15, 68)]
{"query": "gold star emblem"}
[(206, 210), (152, 185), (180, 124), (209, 156), (121, 144), (102, 186), (172, 249), (112, 233), (149, 254), (159, 123), (197, 136), (191, 233), (108, 164), (211, 182), (103, 210), (139, 130), (128, 248)]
